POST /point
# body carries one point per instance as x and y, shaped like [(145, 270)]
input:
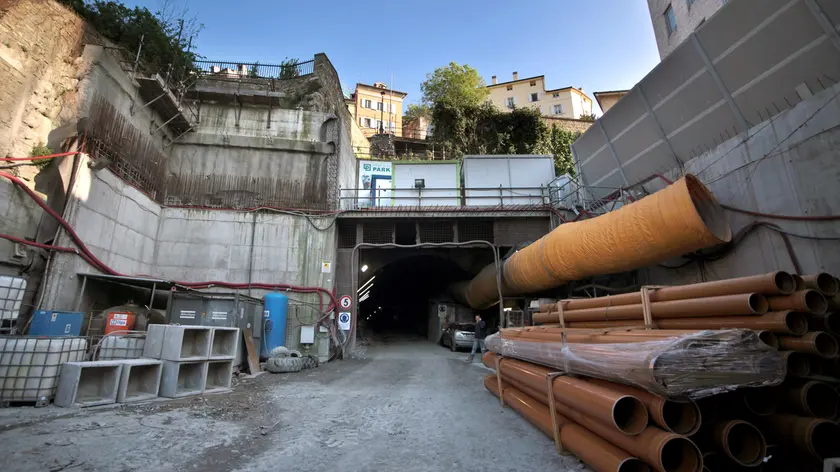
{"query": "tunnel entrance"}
[(401, 290)]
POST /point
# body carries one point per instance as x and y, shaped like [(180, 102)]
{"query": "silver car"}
[(458, 336)]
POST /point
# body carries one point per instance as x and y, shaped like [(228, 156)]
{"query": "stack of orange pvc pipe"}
[(793, 426)]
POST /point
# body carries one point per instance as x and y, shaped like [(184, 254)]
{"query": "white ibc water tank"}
[(11, 296), (29, 367), (121, 346)]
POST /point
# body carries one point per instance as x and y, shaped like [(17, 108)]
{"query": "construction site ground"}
[(401, 404)]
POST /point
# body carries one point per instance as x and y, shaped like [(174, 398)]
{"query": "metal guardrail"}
[(565, 193), (496, 197), (254, 70)]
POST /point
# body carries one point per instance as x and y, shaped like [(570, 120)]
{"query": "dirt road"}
[(407, 405)]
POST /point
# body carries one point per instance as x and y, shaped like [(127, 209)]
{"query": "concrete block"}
[(224, 343), (88, 383), (219, 376), (140, 380), (186, 343), (181, 379), (154, 341)]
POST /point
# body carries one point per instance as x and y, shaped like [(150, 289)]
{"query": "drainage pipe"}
[(829, 322), (740, 441), (798, 364), (679, 219), (808, 301), (725, 305), (664, 451), (769, 338), (781, 322), (624, 413), (597, 453), (761, 401), (773, 283), (585, 336), (815, 437), (815, 399), (824, 283), (815, 342), (676, 416)]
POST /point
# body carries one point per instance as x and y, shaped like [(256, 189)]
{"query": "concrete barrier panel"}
[(140, 380), (181, 379), (219, 375), (224, 343), (86, 384), (186, 343)]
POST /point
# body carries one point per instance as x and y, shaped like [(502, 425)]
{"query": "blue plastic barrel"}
[(274, 322)]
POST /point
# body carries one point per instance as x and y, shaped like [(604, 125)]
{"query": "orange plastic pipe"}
[(824, 283), (681, 218), (815, 437), (681, 417), (625, 413), (816, 342), (816, 399), (664, 451), (740, 441), (725, 305), (587, 337), (593, 450), (829, 322), (782, 322), (798, 364), (773, 283), (808, 301)]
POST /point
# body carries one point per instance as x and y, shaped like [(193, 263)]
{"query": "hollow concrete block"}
[(181, 379), (140, 380), (219, 376), (86, 384), (186, 343), (154, 341), (224, 343)]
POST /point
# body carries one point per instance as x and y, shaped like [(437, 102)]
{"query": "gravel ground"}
[(407, 405)]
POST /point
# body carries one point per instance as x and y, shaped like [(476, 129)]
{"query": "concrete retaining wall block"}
[(140, 380), (86, 384), (219, 376), (154, 341), (181, 379), (224, 344), (186, 343)]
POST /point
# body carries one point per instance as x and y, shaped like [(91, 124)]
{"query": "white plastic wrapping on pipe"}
[(694, 365)]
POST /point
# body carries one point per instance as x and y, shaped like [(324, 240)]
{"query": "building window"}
[(535, 97), (509, 87), (670, 20), (367, 123), (558, 109), (379, 106), (367, 104), (555, 95), (510, 102), (378, 124), (533, 83)]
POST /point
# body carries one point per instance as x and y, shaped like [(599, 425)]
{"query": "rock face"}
[(39, 70)]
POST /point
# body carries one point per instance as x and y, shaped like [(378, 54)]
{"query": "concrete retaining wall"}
[(789, 166)]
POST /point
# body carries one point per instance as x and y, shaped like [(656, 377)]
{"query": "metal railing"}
[(496, 197), (565, 193), (254, 70)]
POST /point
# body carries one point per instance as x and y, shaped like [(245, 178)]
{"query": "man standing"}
[(478, 338)]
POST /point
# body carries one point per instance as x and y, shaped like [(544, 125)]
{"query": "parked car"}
[(458, 336)]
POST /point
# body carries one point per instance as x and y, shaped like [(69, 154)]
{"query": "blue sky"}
[(595, 44)]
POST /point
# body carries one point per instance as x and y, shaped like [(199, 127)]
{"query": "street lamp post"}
[(382, 114)]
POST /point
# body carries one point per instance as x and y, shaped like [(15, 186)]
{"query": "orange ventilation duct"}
[(681, 218)]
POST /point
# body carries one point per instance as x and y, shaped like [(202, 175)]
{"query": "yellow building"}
[(606, 100), (567, 102), (375, 107)]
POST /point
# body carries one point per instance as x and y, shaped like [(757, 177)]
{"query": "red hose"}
[(36, 158)]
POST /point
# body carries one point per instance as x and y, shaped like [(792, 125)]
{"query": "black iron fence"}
[(255, 70)]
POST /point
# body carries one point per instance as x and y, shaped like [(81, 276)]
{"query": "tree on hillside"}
[(454, 85), (483, 129), (558, 142), (415, 111)]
